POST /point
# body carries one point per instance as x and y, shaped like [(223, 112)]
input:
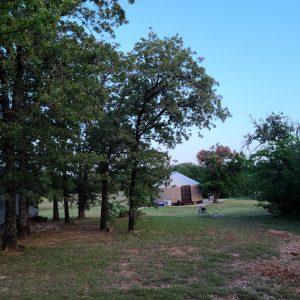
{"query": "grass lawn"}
[(46, 210), (174, 254)]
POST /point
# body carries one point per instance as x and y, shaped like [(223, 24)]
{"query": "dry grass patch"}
[(286, 267), (177, 250), (282, 271), (56, 233)]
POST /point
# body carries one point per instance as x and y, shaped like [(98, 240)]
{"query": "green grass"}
[(174, 254), (46, 210)]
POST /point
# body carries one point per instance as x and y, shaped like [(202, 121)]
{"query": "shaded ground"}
[(57, 233), (172, 255)]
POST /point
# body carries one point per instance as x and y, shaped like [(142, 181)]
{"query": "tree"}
[(223, 166), (166, 92), (29, 28), (276, 127), (277, 177), (276, 165), (107, 134)]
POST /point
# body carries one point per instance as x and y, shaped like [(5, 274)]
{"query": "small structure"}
[(33, 211), (182, 190)]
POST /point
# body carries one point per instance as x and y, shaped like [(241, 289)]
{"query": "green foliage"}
[(221, 168), (50, 90), (73, 106), (118, 209), (169, 91), (277, 169), (276, 127), (276, 165), (152, 172)]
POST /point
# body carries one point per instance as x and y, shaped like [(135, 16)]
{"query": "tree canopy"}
[(222, 166), (275, 164)]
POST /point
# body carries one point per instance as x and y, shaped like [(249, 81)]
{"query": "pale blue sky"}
[(251, 48)]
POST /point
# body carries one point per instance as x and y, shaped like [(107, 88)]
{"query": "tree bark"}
[(23, 213), (66, 210), (104, 204), (55, 209), (10, 110), (81, 194), (216, 196), (132, 204), (28, 218), (66, 198), (81, 209), (23, 219), (10, 228)]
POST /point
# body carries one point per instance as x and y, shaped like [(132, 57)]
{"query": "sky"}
[(251, 48)]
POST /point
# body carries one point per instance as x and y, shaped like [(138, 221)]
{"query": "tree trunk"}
[(216, 196), (104, 206), (66, 210), (66, 198), (81, 210), (10, 108), (132, 204), (10, 228), (23, 218), (81, 194), (55, 209), (104, 201), (28, 218), (23, 213)]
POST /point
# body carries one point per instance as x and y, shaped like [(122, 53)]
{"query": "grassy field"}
[(173, 254), (46, 210)]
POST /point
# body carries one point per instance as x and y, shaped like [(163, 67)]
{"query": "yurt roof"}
[(178, 179)]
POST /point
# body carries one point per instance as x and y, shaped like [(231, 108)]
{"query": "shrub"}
[(117, 210)]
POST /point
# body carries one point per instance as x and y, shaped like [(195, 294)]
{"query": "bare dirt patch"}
[(284, 269), (231, 297), (133, 251), (55, 233), (280, 233), (177, 250), (41, 227), (276, 269), (128, 277), (280, 272)]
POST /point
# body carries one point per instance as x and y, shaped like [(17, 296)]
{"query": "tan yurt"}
[(181, 190)]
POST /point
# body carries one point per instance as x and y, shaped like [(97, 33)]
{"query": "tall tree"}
[(276, 164), (167, 92), (223, 167)]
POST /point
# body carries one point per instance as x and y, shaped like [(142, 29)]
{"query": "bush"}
[(278, 177), (117, 210), (39, 219)]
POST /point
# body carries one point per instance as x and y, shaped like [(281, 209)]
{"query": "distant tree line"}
[(269, 174)]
